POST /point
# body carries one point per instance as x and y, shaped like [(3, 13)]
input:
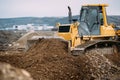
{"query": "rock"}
[(8, 72)]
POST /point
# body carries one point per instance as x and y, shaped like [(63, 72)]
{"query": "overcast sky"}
[(48, 8)]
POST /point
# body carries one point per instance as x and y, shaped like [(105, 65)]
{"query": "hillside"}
[(9, 22)]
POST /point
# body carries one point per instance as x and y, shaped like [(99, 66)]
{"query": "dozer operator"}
[(91, 31)]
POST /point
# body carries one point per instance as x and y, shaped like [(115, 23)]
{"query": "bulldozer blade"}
[(77, 51)]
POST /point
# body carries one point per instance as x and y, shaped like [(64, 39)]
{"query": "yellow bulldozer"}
[(90, 31)]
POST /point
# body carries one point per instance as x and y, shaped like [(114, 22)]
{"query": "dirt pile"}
[(21, 43), (8, 72), (115, 58), (48, 59), (8, 37), (101, 67)]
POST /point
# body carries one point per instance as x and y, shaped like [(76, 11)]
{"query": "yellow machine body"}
[(71, 33)]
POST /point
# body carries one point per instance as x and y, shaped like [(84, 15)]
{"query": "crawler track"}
[(102, 46)]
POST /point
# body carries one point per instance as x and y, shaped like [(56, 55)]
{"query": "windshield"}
[(83, 14), (90, 19), (89, 16)]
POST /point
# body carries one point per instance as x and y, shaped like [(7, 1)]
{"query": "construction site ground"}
[(49, 59)]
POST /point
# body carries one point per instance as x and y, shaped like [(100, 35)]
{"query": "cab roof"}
[(103, 5)]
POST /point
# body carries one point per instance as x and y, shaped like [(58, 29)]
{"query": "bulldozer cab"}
[(91, 18)]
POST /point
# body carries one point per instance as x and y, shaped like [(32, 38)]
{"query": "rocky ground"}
[(9, 37), (48, 59)]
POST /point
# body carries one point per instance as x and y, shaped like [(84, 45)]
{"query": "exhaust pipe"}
[(69, 15)]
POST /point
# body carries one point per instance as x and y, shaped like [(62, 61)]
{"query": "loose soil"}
[(49, 59), (8, 37)]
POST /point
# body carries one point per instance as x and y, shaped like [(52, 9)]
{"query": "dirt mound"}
[(8, 72), (48, 59), (114, 58), (8, 37), (21, 43), (100, 66)]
